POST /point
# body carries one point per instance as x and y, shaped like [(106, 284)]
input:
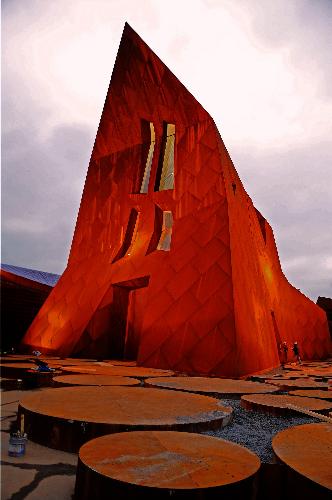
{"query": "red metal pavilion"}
[(171, 264)]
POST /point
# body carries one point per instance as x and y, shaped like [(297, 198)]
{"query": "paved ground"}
[(46, 473), (42, 472)]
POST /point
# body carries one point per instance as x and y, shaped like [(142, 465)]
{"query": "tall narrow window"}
[(148, 163), (162, 233), (166, 232), (165, 173), (130, 236)]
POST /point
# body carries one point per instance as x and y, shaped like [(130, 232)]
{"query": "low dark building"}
[(23, 292)]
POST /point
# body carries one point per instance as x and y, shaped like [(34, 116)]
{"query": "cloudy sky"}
[(262, 69)]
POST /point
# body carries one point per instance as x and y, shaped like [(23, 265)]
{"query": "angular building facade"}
[(171, 264)]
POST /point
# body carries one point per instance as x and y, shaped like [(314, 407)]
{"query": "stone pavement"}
[(42, 472)]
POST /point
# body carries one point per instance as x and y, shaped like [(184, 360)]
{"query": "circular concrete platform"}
[(123, 371), (298, 383), (216, 387), (278, 404), (319, 394), (160, 465), (66, 418), (65, 380), (307, 449)]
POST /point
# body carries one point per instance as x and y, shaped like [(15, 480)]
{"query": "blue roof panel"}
[(49, 279)]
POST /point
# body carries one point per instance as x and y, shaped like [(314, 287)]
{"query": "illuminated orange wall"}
[(203, 307)]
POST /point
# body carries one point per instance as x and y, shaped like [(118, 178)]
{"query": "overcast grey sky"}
[(262, 69)]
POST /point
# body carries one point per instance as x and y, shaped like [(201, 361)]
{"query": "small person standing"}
[(296, 352), (284, 353)]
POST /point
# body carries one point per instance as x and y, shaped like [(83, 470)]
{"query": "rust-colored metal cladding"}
[(307, 449), (150, 465), (94, 411), (63, 380), (213, 386), (279, 404), (122, 371), (316, 393), (171, 264)]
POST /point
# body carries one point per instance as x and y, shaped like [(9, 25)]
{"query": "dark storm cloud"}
[(41, 190)]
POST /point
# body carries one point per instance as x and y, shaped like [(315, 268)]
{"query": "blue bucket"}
[(17, 446)]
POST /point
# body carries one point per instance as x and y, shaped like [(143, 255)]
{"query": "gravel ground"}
[(255, 430)]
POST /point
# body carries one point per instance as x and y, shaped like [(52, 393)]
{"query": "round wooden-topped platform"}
[(217, 387), (320, 373), (289, 375), (119, 362), (70, 362), (298, 383), (280, 376), (123, 371), (15, 370), (150, 465), (319, 394), (278, 404), (87, 360), (307, 449), (66, 418), (65, 380)]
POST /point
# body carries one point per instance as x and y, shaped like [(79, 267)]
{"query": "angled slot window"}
[(130, 236), (166, 232), (162, 233), (142, 174), (148, 163), (165, 172)]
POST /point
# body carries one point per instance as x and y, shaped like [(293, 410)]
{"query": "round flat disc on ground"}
[(319, 394), (15, 359), (299, 383), (123, 371), (212, 386), (88, 360), (15, 370), (71, 362), (293, 367), (157, 462), (307, 449), (320, 373), (117, 362), (291, 375), (93, 380), (11, 366), (66, 418), (278, 404)]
